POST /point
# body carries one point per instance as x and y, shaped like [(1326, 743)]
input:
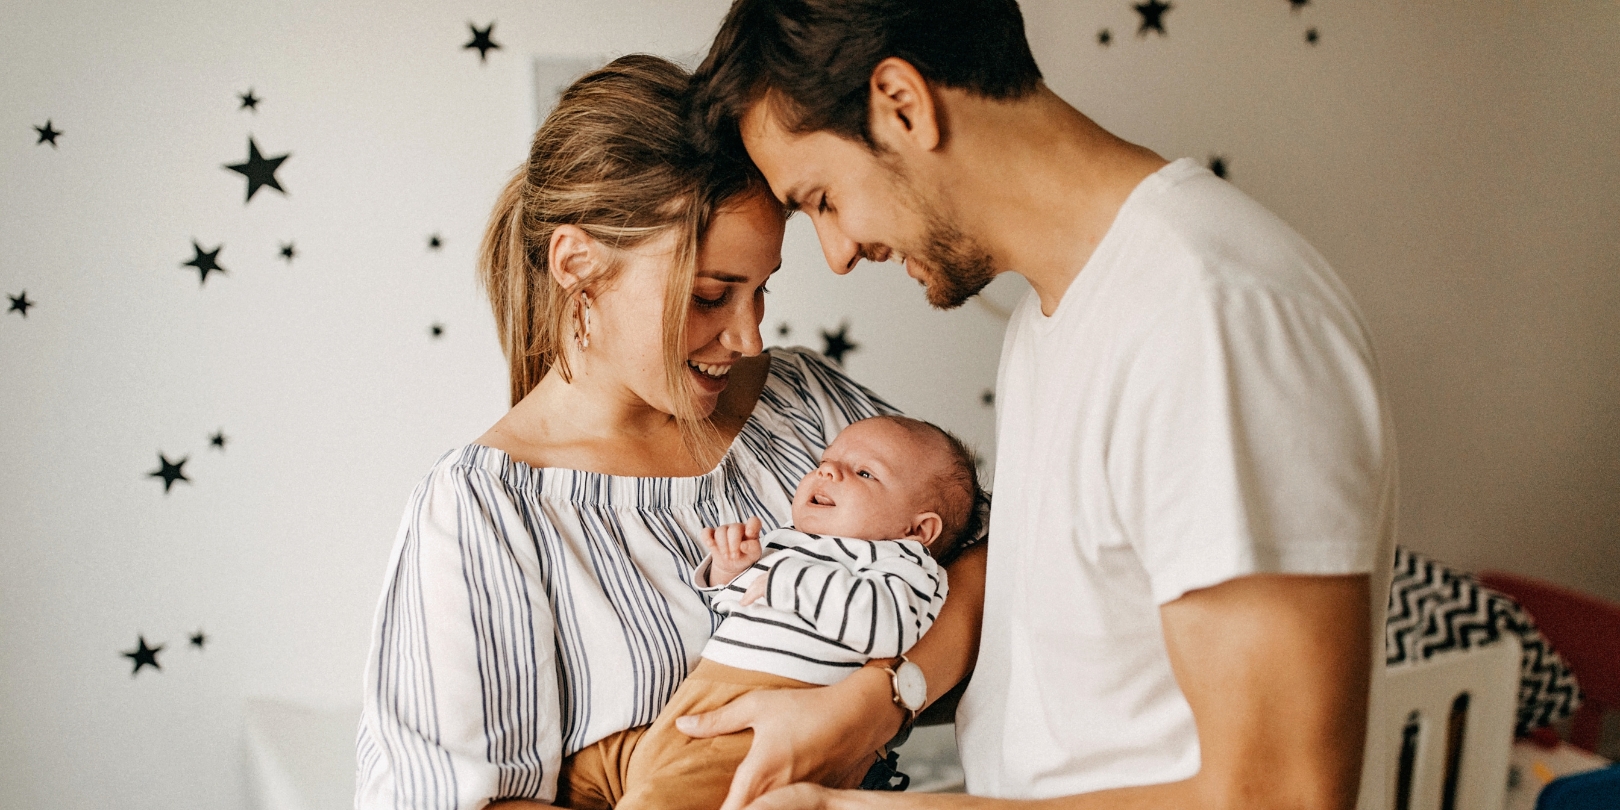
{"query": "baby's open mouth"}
[(821, 500)]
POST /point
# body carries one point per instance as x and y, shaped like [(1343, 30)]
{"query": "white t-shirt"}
[(1202, 405)]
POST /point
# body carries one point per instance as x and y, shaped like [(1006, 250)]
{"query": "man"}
[(1195, 468)]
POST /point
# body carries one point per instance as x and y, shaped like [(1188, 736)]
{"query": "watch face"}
[(911, 685)]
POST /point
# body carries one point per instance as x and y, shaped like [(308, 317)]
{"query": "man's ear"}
[(902, 107), (926, 528), (572, 256)]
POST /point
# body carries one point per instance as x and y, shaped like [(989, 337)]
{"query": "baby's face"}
[(869, 486)]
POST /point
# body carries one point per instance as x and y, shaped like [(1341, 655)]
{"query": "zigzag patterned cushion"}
[(1433, 609)]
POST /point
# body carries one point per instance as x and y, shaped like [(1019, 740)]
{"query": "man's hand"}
[(733, 547)]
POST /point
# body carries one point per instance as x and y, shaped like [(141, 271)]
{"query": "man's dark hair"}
[(813, 60)]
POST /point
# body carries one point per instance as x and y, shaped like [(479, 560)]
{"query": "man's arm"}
[(1275, 668), (831, 734)]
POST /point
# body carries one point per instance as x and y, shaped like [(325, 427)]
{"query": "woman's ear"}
[(926, 528), (572, 255)]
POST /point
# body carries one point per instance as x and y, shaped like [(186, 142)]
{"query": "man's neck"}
[(1037, 182)]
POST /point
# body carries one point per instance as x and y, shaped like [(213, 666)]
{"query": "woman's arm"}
[(830, 735)]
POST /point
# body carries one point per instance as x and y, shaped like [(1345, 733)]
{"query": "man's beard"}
[(956, 267)]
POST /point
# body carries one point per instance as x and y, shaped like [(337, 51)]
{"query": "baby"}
[(858, 577)]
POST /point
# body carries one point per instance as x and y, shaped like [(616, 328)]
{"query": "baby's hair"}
[(958, 485)]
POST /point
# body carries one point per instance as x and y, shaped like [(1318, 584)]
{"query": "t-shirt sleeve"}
[(1249, 439), (461, 701)]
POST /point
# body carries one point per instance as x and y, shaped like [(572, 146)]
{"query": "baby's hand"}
[(733, 547), (756, 590)]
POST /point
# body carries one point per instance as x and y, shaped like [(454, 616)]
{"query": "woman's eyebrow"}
[(728, 277)]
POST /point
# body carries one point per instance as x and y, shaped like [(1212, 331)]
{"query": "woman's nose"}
[(741, 334)]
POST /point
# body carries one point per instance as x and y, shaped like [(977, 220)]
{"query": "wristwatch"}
[(910, 694)]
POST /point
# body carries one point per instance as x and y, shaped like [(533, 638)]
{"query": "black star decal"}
[(218, 439), (259, 170), (1152, 13), (198, 639), (288, 252), (434, 242), (988, 398), (783, 330), (481, 41), (170, 472), (249, 101), (205, 261), (1105, 37), (20, 303), (1311, 36), (1296, 5), (1217, 164), (47, 133), (144, 656), (838, 343), (436, 330)]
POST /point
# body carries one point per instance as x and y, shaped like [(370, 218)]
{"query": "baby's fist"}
[(733, 549)]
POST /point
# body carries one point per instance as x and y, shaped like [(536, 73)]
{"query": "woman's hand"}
[(734, 548), (828, 735)]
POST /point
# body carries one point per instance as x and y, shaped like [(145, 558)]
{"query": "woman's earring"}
[(582, 334)]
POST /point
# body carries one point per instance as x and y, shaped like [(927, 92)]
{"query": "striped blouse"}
[(530, 612)]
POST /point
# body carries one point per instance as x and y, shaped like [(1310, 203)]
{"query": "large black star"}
[(205, 261), (20, 303), (1296, 5), (170, 472), (288, 252), (259, 170), (144, 656), (838, 343), (218, 439), (481, 40), (1152, 13), (47, 133), (249, 101)]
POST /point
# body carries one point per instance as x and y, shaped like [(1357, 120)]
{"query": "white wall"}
[(1455, 161)]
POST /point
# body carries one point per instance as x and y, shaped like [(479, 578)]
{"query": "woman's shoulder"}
[(804, 379), (475, 466)]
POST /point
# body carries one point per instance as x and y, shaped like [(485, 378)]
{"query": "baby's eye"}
[(864, 473)]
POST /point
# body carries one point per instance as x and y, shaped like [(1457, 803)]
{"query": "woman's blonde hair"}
[(614, 159)]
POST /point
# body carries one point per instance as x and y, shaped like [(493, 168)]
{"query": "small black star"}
[(1105, 37), (436, 330), (20, 303), (170, 472), (1152, 13), (198, 639), (1311, 36), (144, 656), (1217, 165), (47, 133), (434, 242), (482, 41), (1296, 5), (205, 261), (988, 398), (838, 343), (259, 170), (288, 252), (218, 439), (249, 101), (783, 330)]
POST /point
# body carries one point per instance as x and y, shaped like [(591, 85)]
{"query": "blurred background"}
[(1455, 161)]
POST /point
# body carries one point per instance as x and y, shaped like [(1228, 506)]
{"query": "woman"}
[(538, 597)]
